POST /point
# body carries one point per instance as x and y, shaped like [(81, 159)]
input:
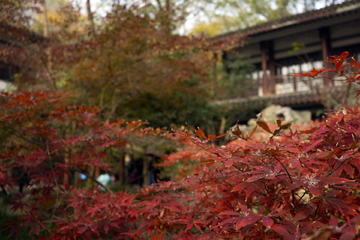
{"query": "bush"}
[(295, 185)]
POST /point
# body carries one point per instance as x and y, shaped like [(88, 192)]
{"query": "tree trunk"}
[(168, 17), (46, 24), (66, 175), (90, 17)]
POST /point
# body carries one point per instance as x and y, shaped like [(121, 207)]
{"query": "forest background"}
[(128, 58)]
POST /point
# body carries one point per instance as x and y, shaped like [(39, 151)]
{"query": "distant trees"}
[(133, 67), (229, 15)]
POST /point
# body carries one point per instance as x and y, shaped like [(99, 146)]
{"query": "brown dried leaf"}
[(252, 132), (262, 123), (236, 131), (285, 125)]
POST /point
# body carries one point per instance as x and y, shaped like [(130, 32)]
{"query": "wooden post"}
[(97, 172), (272, 67), (326, 50), (295, 83), (265, 79)]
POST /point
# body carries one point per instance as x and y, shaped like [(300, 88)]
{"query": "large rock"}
[(273, 112)]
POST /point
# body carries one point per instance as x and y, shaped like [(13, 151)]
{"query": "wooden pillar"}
[(213, 85), (326, 51), (265, 78), (294, 82), (97, 172), (272, 67)]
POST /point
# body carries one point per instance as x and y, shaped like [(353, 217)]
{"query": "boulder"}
[(273, 112)]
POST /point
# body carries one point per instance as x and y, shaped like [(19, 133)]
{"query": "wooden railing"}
[(282, 84)]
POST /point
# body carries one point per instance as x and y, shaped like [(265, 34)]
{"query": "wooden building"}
[(296, 44)]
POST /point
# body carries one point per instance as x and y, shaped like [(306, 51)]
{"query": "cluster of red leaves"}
[(301, 185), (341, 62), (295, 185), (285, 188), (47, 141)]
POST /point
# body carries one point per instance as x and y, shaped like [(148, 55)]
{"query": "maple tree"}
[(295, 184), (130, 65)]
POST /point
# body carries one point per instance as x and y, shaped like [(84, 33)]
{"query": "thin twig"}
[(317, 207), (16, 133), (49, 73), (299, 199), (292, 191), (338, 166), (262, 160), (237, 167), (90, 177), (56, 183), (281, 165)]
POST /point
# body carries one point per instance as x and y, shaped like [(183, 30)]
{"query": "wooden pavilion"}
[(296, 44)]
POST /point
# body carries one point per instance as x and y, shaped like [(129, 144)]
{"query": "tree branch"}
[(281, 164), (56, 183)]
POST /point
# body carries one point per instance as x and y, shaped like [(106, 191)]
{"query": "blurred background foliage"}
[(135, 60), (149, 60)]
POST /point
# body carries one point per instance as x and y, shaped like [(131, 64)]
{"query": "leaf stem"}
[(299, 199), (338, 167), (317, 207), (292, 191)]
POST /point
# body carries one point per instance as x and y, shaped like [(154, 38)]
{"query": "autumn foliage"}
[(294, 185)]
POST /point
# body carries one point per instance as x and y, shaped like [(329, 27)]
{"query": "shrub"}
[(295, 185)]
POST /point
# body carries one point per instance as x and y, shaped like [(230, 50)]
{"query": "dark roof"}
[(327, 12)]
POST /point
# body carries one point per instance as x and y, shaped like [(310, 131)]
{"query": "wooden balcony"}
[(293, 91)]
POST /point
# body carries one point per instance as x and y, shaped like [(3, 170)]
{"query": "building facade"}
[(297, 44)]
